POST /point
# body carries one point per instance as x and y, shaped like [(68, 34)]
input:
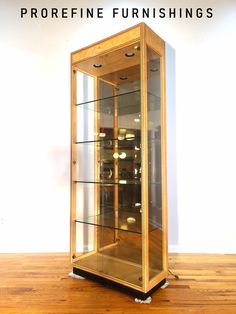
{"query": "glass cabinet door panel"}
[(115, 254), (154, 163)]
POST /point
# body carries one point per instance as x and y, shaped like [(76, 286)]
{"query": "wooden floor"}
[(39, 283)]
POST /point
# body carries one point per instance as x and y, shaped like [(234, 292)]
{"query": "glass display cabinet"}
[(118, 161)]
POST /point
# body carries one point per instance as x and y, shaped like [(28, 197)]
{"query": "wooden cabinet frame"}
[(79, 60)]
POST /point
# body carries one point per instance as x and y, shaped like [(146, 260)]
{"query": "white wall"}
[(34, 123)]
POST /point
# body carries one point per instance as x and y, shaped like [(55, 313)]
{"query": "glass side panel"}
[(85, 118), (115, 254), (154, 162)]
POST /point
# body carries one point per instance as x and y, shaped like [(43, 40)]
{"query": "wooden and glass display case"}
[(118, 161)]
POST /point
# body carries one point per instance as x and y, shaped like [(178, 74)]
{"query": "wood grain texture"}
[(39, 283), (106, 45), (153, 40), (111, 62)]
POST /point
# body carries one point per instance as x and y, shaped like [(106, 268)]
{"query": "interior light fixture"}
[(137, 120), (129, 54), (123, 78), (136, 47), (137, 204), (122, 155), (136, 147), (97, 65)]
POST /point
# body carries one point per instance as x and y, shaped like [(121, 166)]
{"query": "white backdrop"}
[(35, 123)]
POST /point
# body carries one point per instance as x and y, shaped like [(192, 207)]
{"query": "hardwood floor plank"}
[(39, 283)]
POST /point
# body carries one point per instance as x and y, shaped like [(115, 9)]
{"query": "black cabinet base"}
[(112, 284)]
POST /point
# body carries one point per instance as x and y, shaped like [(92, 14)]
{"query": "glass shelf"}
[(151, 95), (108, 98), (133, 141), (117, 181), (124, 142), (127, 103), (109, 142), (111, 182), (125, 220)]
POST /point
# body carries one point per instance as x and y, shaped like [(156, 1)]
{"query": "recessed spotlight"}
[(97, 65), (137, 120), (136, 47), (154, 70), (123, 78), (129, 54)]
